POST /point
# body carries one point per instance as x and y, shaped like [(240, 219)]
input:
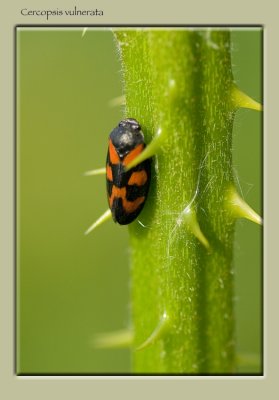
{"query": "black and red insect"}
[(126, 190)]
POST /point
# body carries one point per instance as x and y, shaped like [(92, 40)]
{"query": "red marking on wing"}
[(109, 173), (113, 156), (133, 154), (129, 206), (138, 178)]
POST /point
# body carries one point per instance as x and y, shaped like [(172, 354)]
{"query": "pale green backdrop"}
[(70, 286)]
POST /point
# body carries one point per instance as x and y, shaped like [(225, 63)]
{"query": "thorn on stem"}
[(151, 149), (189, 218), (93, 172), (240, 209), (103, 218), (83, 32), (117, 101), (113, 340), (242, 100), (158, 332)]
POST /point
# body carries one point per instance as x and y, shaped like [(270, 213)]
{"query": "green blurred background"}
[(71, 287)]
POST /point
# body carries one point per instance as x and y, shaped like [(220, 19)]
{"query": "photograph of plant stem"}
[(179, 290)]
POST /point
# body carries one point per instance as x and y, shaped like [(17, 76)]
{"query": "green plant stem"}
[(178, 84)]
